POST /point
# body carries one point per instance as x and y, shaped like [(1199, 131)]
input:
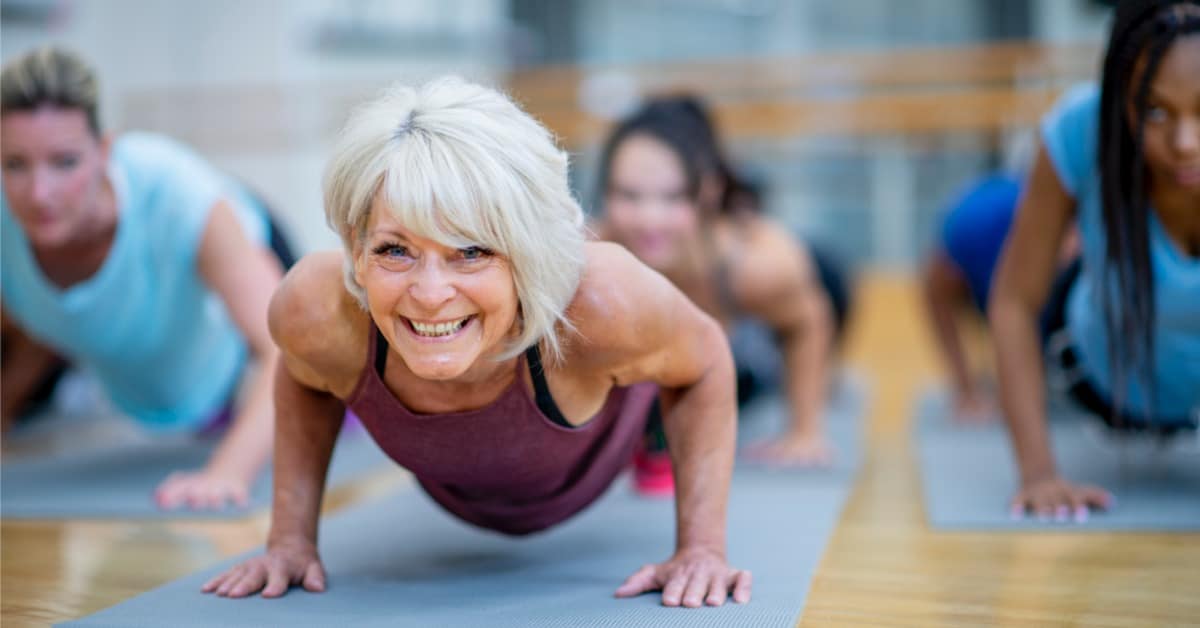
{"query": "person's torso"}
[(505, 466), (1176, 368), (159, 340)]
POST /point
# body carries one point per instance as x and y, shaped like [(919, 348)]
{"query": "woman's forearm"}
[(1019, 360), (701, 428), (306, 428), (941, 306), (26, 364), (807, 363), (247, 445)]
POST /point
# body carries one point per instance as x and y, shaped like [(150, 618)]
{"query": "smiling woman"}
[(463, 263)]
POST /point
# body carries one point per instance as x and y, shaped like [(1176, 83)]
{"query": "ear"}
[(106, 142), (358, 260)]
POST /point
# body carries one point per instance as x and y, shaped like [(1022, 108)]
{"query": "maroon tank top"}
[(506, 466)]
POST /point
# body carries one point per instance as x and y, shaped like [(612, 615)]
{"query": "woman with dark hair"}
[(1124, 162), (671, 198)]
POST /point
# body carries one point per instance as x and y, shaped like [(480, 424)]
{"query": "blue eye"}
[(391, 250), (1156, 114), (474, 252), (65, 162)]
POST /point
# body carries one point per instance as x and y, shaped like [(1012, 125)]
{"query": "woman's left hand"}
[(205, 489), (692, 578), (796, 450)]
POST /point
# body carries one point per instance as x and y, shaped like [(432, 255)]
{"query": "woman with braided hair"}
[(1124, 162)]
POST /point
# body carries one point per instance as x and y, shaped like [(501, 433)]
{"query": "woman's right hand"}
[(1055, 498), (284, 564)]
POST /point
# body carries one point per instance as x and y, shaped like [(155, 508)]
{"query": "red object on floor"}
[(652, 476)]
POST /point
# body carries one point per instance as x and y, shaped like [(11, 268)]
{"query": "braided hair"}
[(1142, 32)]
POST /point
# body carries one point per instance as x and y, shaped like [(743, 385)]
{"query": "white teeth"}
[(438, 329)]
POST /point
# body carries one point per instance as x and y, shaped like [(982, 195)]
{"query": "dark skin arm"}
[(26, 364), (945, 293), (1022, 283)]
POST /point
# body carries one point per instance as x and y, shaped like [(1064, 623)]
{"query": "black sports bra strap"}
[(545, 402), (381, 351)]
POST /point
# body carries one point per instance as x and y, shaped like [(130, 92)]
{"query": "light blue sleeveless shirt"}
[(160, 342), (1071, 134)]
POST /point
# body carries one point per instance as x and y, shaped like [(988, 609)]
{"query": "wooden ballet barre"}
[(908, 113), (1007, 63)]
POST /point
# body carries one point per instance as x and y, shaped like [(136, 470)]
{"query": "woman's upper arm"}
[(776, 282), (243, 273), (320, 341), (1044, 215)]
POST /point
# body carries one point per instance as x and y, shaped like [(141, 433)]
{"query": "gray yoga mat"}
[(969, 473), (118, 482), (401, 561), (767, 417)]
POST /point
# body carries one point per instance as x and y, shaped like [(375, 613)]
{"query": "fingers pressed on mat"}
[(277, 583), (314, 578), (672, 594), (741, 586), (229, 579), (696, 589), (250, 582), (642, 580), (718, 590)]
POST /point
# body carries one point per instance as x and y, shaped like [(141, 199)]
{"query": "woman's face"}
[(441, 309), (647, 204), (53, 171), (1172, 135)]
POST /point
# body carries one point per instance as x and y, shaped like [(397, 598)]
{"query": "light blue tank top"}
[(160, 342), (1070, 133)]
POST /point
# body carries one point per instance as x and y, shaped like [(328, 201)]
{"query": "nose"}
[(431, 287), (42, 187), (1186, 138)]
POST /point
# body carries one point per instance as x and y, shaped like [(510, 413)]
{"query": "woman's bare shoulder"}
[(319, 326), (619, 305), (607, 299), (770, 262)]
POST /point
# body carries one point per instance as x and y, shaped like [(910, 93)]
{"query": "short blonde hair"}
[(461, 164), (50, 76)]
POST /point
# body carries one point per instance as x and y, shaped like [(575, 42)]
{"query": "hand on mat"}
[(691, 578), (202, 490), (794, 449), (272, 573), (1058, 499), (974, 408)]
